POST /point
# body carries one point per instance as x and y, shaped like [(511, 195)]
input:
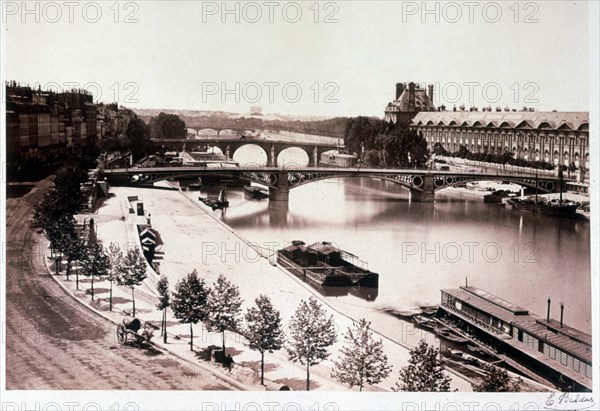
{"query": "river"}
[(419, 248)]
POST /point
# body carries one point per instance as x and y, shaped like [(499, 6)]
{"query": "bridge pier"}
[(271, 157), (282, 191), (426, 195), (316, 157), (227, 152)]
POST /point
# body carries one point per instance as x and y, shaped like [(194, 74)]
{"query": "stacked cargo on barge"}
[(325, 264)]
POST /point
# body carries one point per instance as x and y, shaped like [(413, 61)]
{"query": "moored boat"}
[(424, 322), (325, 264), (449, 335), (256, 192), (552, 207)]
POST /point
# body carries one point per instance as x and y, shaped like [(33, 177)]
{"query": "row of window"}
[(518, 137), (555, 353)]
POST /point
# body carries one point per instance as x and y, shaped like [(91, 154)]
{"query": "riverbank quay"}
[(193, 239)]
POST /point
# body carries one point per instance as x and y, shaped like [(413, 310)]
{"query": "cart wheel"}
[(121, 335)]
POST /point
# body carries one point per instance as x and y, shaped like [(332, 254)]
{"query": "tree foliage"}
[(263, 329), (189, 301), (137, 138), (497, 380), (424, 372), (224, 307), (95, 262), (115, 272), (133, 272), (167, 126), (362, 361), (164, 301), (311, 335)]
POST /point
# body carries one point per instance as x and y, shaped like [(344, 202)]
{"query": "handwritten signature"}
[(569, 401)]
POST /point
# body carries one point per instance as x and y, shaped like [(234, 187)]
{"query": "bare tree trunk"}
[(262, 368), (223, 334), (110, 297), (307, 375), (162, 323), (133, 300), (165, 327), (92, 288), (191, 338)]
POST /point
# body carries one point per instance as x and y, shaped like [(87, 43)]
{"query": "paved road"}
[(52, 342)]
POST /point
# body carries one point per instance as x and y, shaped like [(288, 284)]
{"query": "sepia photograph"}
[(382, 205)]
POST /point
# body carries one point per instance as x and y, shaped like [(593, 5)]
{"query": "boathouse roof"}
[(566, 338), (324, 248), (481, 304), (538, 329)]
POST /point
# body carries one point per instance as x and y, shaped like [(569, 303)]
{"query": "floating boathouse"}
[(542, 348)]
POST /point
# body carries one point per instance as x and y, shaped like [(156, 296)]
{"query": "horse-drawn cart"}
[(129, 329)]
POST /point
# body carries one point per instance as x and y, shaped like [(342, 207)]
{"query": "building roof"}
[(543, 120), (538, 329), (566, 338), (481, 304), (422, 101), (324, 247)]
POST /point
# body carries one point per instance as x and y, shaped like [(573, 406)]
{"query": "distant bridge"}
[(422, 183), (271, 143)]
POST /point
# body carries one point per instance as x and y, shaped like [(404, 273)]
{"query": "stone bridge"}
[(272, 147), (422, 184)]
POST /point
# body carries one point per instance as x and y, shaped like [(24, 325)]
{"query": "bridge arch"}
[(250, 154), (292, 157)]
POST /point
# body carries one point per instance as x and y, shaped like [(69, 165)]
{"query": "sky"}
[(303, 58)]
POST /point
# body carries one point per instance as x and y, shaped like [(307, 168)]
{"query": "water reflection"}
[(519, 256)]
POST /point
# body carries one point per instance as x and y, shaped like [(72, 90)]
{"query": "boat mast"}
[(536, 186), (560, 181)]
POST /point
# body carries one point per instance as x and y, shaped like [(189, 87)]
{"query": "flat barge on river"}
[(326, 265)]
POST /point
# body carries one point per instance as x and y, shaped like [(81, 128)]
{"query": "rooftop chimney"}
[(562, 309), (399, 90), (430, 92), (411, 96), (548, 313)]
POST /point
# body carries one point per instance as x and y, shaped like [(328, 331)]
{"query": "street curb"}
[(222, 376)]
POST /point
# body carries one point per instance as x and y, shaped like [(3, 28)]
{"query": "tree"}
[(138, 138), (162, 286), (74, 249), (497, 380), (372, 158), (224, 307), (263, 330), (311, 334), (115, 258), (572, 168), (424, 371), (95, 262), (134, 272), (189, 301), (362, 361), (167, 126), (439, 150)]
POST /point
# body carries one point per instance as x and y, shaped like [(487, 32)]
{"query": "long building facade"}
[(41, 126), (556, 137), (553, 137)]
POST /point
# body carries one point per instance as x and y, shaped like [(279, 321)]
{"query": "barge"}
[(326, 265), (544, 349), (555, 208), (257, 193)]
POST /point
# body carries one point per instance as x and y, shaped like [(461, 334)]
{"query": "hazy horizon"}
[(195, 56)]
